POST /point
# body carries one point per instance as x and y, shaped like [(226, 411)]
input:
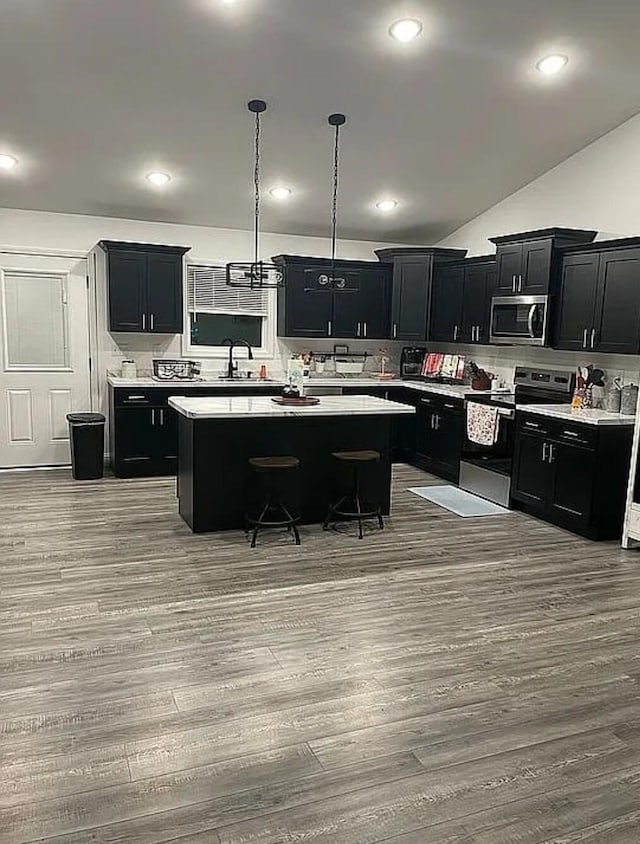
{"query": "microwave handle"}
[(532, 313)]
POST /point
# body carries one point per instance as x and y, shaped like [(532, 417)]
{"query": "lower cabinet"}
[(572, 474), (143, 429), (439, 435)]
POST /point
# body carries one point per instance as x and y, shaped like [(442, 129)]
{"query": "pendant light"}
[(257, 274), (337, 121)]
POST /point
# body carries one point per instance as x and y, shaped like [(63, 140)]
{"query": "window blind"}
[(208, 292)]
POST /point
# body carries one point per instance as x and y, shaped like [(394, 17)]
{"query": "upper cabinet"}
[(353, 303), (144, 286), (598, 306), (413, 270), (527, 262), (460, 301)]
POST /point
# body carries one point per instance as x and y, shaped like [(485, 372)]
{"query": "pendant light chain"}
[(256, 184), (334, 207)]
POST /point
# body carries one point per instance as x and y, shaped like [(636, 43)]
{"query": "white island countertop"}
[(566, 413), (253, 407)]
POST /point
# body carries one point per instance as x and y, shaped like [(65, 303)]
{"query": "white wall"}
[(597, 188)]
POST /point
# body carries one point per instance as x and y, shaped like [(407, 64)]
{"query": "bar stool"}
[(274, 512), (351, 507)]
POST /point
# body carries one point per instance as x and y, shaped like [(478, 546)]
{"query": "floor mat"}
[(458, 501)]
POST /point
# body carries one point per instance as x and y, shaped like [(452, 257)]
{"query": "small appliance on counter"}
[(128, 369), (411, 361), (176, 370)]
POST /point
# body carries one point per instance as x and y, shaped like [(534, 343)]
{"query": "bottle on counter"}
[(262, 375)]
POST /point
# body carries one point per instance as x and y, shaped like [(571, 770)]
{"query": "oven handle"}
[(532, 313)]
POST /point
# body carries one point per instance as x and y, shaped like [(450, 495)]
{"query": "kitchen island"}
[(217, 436)]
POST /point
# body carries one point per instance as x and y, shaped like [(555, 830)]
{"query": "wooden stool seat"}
[(274, 512), (274, 464), (363, 456)]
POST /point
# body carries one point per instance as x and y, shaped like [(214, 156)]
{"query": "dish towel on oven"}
[(482, 423)]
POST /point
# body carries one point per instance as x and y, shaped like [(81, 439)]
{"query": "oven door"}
[(519, 320)]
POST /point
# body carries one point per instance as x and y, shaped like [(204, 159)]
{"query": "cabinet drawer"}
[(135, 398), (454, 405), (585, 436), (534, 424)]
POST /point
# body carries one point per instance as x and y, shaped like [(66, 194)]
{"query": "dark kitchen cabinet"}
[(353, 304), (144, 287), (460, 301), (413, 270), (143, 429), (447, 296), (572, 474), (575, 312), (439, 435), (528, 262), (479, 284), (599, 302)]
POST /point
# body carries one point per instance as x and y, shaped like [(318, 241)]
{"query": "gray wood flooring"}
[(447, 681)]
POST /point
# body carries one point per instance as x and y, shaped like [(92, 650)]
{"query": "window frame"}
[(267, 351)]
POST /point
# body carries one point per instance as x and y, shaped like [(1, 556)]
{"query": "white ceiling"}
[(96, 93)]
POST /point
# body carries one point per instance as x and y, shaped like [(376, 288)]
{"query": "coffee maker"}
[(411, 361)]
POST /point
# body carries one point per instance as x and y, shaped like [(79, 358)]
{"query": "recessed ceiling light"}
[(386, 205), (7, 162), (549, 65), (405, 30), (158, 179), (281, 192)]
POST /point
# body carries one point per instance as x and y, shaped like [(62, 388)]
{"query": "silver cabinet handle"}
[(426, 401), (437, 421), (593, 338), (153, 417), (455, 332), (519, 284), (552, 454), (450, 406), (545, 446), (571, 433), (329, 326), (135, 398), (395, 330), (144, 322), (364, 329), (358, 330), (584, 338), (162, 417), (152, 321), (513, 284)]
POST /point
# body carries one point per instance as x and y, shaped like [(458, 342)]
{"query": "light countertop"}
[(458, 391), (252, 407), (568, 414)]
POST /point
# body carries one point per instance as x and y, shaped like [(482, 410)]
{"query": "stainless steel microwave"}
[(519, 320)]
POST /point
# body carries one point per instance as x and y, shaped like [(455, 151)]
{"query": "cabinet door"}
[(308, 302), (450, 428), (476, 303), (446, 304), (426, 434), (348, 304), (530, 480), (536, 268), (509, 267), (135, 438), (617, 320), (577, 302), (166, 436), (164, 293), (376, 304), (410, 304), (572, 484), (127, 290)]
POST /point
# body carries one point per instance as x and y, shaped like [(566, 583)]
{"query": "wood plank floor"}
[(447, 681)]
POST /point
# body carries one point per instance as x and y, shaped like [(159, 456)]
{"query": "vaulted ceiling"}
[(97, 93)]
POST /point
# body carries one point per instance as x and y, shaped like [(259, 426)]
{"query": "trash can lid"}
[(85, 418)]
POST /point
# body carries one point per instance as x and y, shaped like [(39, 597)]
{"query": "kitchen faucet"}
[(232, 344)]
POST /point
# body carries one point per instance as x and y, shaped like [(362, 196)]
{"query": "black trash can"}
[(86, 432)]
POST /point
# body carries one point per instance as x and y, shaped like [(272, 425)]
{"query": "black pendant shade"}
[(255, 274)]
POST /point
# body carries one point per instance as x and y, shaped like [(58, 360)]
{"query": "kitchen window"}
[(216, 312)]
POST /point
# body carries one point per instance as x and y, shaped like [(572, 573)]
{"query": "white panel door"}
[(44, 329)]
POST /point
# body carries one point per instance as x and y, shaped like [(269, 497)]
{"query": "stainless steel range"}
[(486, 470)]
